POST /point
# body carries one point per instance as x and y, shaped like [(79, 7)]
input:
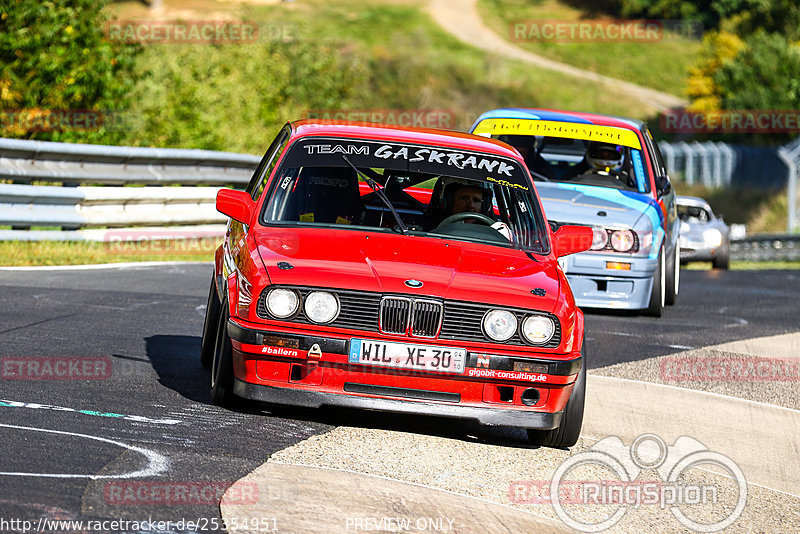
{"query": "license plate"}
[(406, 356)]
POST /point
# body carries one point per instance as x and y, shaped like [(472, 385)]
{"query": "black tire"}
[(222, 365), (567, 433), (673, 277), (658, 295), (210, 323), (723, 259)]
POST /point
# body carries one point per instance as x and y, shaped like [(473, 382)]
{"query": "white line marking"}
[(739, 322), (5, 403), (728, 397), (103, 266), (156, 463), (682, 347)]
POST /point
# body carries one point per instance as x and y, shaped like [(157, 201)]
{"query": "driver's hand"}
[(504, 229)]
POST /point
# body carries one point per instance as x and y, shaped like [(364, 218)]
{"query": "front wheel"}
[(674, 277), (722, 260), (222, 367), (566, 434), (658, 292), (209, 338)]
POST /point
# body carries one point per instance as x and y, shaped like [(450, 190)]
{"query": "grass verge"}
[(662, 64), (41, 253), (747, 266)]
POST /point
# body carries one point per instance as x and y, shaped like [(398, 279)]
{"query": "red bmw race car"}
[(401, 270)]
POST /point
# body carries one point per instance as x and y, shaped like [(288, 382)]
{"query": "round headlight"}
[(712, 238), (321, 306), (282, 302), (622, 240), (499, 325), (538, 329), (599, 238)]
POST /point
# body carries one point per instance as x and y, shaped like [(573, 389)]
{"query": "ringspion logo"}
[(593, 490)]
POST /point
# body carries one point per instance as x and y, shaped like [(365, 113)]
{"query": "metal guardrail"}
[(75, 207), (790, 155), (25, 161), (766, 248)]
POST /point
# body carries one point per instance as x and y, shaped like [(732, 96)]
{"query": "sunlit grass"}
[(661, 64), (746, 265), (38, 253)]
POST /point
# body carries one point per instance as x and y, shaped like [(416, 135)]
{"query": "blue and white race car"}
[(605, 172)]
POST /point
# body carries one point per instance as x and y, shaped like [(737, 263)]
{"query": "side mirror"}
[(664, 186), (235, 204), (569, 239)]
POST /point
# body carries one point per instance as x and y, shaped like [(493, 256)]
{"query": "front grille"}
[(417, 317), (395, 313), (427, 318)]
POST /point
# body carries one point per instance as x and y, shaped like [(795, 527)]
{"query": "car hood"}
[(369, 261), (582, 204)]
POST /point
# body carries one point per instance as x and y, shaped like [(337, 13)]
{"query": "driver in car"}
[(467, 199), (462, 197)]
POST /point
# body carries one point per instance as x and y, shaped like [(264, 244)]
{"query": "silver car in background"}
[(703, 235)]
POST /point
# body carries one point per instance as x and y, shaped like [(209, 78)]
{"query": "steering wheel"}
[(457, 217)]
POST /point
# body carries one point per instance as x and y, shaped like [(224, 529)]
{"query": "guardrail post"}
[(705, 167), (688, 162), (728, 163), (791, 220)]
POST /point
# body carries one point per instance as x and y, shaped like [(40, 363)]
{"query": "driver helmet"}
[(602, 156), (450, 185)]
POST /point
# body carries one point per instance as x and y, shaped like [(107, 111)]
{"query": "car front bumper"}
[(595, 285), (285, 367)]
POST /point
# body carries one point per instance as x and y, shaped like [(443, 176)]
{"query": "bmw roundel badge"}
[(413, 283)]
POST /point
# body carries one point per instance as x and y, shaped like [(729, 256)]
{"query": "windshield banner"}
[(567, 130), (326, 152)]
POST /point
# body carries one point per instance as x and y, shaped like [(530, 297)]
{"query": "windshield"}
[(579, 161), (694, 214), (408, 189)]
